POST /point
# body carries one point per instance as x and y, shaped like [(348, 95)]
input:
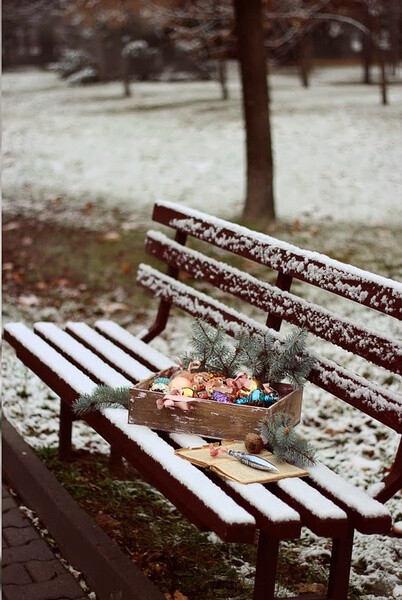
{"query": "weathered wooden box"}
[(207, 417)]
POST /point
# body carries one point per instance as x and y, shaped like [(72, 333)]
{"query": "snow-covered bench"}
[(74, 360)]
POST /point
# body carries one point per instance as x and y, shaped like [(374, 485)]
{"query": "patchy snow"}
[(126, 339), (180, 142), (338, 487), (110, 351), (312, 499), (191, 477), (89, 361)]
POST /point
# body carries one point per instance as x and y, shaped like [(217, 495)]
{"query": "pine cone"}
[(253, 443)]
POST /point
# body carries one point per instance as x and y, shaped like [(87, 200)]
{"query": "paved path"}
[(31, 571)]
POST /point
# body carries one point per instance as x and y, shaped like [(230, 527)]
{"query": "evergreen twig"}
[(103, 396), (284, 442)]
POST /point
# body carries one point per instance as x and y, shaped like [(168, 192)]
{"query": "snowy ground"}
[(337, 151), (338, 155)]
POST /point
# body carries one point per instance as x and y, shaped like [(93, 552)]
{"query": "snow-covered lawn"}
[(338, 155), (337, 150)]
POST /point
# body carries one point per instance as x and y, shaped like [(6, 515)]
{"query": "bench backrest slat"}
[(370, 398), (370, 290), (322, 323)]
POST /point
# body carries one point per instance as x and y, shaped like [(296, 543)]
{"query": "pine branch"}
[(284, 442), (101, 397)]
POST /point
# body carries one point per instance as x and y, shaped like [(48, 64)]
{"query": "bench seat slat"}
[(271, 514), (372, 399), (133, 345), (378, 349), (277, 515), (187, 487), (80, 356), (107, 351), (368, 515), (62, 368), (358, 285), (318, 513)]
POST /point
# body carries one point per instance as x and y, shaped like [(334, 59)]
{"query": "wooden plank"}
[(153, 471), (208, 418), (373, 400), (378, 349), (360, 286)]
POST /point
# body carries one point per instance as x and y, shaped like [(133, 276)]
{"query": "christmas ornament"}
[(220, 397)]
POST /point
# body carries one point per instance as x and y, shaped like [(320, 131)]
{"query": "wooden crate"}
[(208, 418)]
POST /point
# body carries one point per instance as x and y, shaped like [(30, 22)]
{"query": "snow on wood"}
[(256, 494), (183, 471), (89, 361), (51, 358), (353, 497), (323, 323), (311, 499), (341, 278), (110, 351), (133, 343)]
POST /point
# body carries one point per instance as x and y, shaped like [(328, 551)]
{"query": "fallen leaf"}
[(126, 268), (11, 226), (41, 285), (88, 208), (8, 266), (30, 300), (112, 307), (62, 282), (110, 236), (18, 277), (168, 596), (311, 588), (130, 226), (179, 596), (26, 241), (106, 521)]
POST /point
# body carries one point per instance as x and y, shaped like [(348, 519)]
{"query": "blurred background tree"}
[(102, 40)]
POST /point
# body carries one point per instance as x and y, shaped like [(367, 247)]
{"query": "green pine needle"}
[(284, 442), (103, 396)]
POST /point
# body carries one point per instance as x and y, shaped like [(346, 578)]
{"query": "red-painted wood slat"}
[(355, 284), (322, 323)]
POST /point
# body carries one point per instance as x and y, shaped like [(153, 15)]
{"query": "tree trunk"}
[(367, 51), (222, 77), (394, 17), (103, 74), (259, 196), (305, 50), (46, 44)]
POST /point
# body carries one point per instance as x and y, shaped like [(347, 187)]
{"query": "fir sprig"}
[(290, 359), (284, 442), (215, 353), (270, 360), (101, 397)]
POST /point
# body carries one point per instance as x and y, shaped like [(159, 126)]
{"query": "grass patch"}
[(163, 544)]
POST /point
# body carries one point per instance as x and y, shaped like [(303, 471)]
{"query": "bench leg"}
[(115, 460), (341, 558), (65, 431), (267, 563)]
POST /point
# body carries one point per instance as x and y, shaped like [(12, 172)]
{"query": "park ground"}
[(82, 167)]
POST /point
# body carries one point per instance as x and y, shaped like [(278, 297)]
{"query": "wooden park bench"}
[(72, 361)]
